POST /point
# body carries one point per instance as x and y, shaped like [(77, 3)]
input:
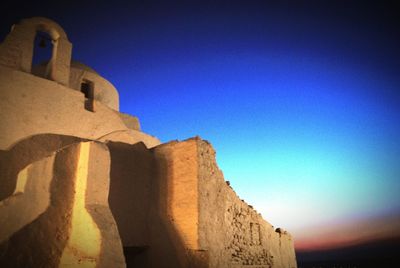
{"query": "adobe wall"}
[(58, 214), (104, 91), (173, 217), (181, 186), (212, 226), (131, 174), (131, 122), (247, 239), (31, 105), (171, 205), (25, 152), (153, 197)]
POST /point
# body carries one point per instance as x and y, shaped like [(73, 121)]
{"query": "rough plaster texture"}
[(182, 190), (247, 238), (173, 241), (24, 153), (129, 198), (34, 105), (132, 122), (59, 212), (87, 188), (30, 198), (138, 199), (104, 91), (220, 229)]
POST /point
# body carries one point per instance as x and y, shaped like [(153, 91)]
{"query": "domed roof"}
[(82, 66), (74, 64)]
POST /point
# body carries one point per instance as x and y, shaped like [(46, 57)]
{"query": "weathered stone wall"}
[(30, 105), (214, 226), (234, 234)]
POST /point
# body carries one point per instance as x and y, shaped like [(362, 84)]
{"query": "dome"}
[(74, 64), (104, 91), (82, 66)]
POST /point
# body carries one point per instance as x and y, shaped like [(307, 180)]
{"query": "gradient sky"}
[(301, 100)]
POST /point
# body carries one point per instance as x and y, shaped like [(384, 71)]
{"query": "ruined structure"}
[(82, 185)]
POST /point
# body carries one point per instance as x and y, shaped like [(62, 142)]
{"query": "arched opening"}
[(42, 59)]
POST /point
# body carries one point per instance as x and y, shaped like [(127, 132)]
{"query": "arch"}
[(45, 25), (43, 50), (17, 49)]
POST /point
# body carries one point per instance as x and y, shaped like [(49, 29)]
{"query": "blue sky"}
[(293, 133), (300, 100), (304, 118)]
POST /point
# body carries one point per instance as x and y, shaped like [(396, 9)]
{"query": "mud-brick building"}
[(82, 186)]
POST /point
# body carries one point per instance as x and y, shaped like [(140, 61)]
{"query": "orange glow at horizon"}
[(344, 234)]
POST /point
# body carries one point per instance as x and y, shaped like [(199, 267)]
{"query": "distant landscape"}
[(379, 254)]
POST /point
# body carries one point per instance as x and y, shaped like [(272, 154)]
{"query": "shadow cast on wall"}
[(42, 242), (26, 152), (139, 194), (138, 197)]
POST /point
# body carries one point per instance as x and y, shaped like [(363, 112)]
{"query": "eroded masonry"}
[(82, 185)]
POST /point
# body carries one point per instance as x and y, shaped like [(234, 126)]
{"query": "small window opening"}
[(42, 55), (87, 88)]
